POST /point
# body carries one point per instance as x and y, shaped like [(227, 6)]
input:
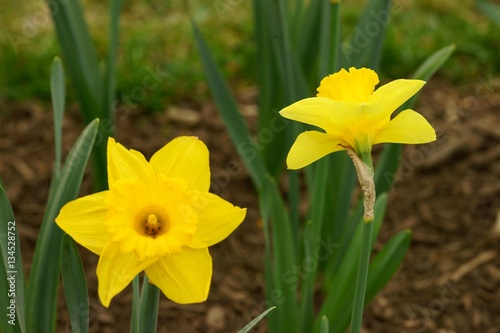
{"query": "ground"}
[(448, 193)]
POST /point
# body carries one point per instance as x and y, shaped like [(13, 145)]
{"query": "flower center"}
[(152, 221)]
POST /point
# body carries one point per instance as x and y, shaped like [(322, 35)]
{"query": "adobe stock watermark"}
[(248, 150), (226, 7), (84, 310), (461, 112), (151, 80), (419, 314), (11, 273), (292, 277), (139, 93), (362, 37), (32, 24)]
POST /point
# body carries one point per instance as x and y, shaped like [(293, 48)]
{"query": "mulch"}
[(447, 192)]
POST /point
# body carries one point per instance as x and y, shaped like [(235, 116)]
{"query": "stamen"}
[(152, 225)]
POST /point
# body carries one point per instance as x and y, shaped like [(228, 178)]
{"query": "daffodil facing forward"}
[(157, 217), (355, 115)]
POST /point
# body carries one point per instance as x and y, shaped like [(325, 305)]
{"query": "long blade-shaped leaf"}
[(489, 9), (345, 277), (79, 55), (308, 284), (44, 276), (340, 186), (432, 64), (382, 268), (271, 126), (307, 43), (290, 80), (110, 77), (58, 91), (228, 109), (284, 278), (94, 92), (386, 263), (325, 325), (256, 320), (11, 270), (75, 286), (389, 161), (365, 48)]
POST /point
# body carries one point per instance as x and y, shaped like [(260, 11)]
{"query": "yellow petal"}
[(186, 158), (116, 270), (354, 86), (313, 111), (386, 99), (407, 127), (311, 146), (183, 278), (217, 218), (83, 220), (124, 163)]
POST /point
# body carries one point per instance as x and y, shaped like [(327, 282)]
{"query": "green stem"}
[(134, 323), (364, 261), (150, 299)]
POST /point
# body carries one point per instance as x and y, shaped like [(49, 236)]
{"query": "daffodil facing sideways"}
[(355, 115), (157, 217)]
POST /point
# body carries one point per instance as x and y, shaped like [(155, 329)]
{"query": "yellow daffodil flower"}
[(157, 217), (353, 114)]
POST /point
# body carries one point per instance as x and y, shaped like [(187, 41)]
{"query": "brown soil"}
[(448, 193)]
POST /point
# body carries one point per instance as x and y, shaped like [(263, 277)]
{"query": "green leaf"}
[(433, 63), (306, 31), (110, 75), (292, 78), (75, 286), (58, 91), (228, 109), (491, 10), (41, 298), (340, 185), (387, 167), (284, 280), (386, 263), (289, 85), (308, 283), (11, 270), (256, 320), (94, 91), (324, 326), (340, 297), (136, 301), (271, 133), (79, 55), (388, 164), (366, 45), (382, 269), (330, 38)]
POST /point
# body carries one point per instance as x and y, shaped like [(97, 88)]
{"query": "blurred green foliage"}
[(156, 37)]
